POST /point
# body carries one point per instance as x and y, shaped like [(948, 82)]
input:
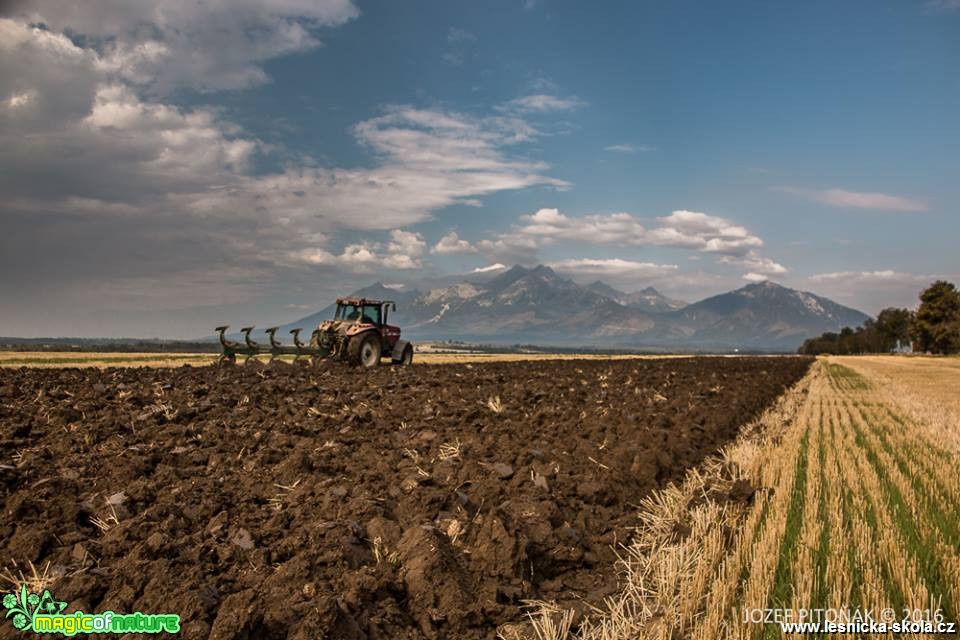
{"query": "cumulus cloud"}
[(451, 243), (858, 200), (756, 263), (613, 228), (87, 139), (165, 46), (682, 229), (402, 251), (755, 277), (711, 234)]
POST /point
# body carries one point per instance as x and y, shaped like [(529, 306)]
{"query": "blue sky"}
[(175, 166)]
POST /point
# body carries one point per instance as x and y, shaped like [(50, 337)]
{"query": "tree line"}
[(933, 328)]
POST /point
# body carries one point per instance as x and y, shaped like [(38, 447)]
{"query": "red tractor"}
[(357, 334), (360, 335)]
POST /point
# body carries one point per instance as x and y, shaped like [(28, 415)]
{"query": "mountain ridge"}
[(536, 305)]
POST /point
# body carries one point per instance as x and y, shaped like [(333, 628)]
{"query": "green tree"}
[(936, 325), (892, 325)]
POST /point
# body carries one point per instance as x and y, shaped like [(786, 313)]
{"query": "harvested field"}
[(417, 502), (855, 509)]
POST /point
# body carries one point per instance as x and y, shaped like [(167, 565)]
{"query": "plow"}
[(358, 334)]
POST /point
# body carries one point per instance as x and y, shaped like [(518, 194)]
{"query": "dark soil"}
[(302, 503)]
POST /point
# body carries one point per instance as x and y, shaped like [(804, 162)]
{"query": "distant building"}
[(903, 347)]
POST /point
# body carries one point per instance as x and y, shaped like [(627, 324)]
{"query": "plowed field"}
[(288, 502)]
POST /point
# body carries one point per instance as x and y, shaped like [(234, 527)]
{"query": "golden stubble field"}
[(856, 506)]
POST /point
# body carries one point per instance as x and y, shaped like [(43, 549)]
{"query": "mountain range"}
[(538, 306)]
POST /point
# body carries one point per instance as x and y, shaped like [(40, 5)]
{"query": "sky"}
[(168, 167)]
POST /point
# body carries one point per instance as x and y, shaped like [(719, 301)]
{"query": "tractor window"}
[(348, 312), (371, 313)]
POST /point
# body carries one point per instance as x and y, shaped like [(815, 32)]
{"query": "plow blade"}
[(250, 349)]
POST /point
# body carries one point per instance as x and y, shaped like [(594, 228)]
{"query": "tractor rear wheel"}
[(364, 350)]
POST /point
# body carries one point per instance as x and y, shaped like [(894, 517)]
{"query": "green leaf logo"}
[(24, 607)]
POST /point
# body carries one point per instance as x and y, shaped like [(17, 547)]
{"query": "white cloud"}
[(611, 267), (755, 277), (510, 248), (184, 143), (18, 100), (163, 46), (426, 159), (89, 144), (403, 251), (885, 275), (86, 139), (542, 103), (451, 243), (628, 148), (493, 267), (613, 228), (438, 140), (857, 200), (682, 229), (711, 234), (756, 264)]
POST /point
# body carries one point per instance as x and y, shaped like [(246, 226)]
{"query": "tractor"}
[(357, 334)]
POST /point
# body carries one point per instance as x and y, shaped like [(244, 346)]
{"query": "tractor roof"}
[(362, 301)]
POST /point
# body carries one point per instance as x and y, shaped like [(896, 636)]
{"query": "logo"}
[(42, 613)]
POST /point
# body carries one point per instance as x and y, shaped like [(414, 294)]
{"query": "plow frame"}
[(249, 348)]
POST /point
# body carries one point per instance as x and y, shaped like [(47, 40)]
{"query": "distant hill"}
[(764, 314), (538, 306), (648, 299), (521, 305)]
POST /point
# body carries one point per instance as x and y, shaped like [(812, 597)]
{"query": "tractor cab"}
[(362, 311)]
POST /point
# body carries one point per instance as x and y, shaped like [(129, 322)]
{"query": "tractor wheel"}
[(407, 357), (364, 350)]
